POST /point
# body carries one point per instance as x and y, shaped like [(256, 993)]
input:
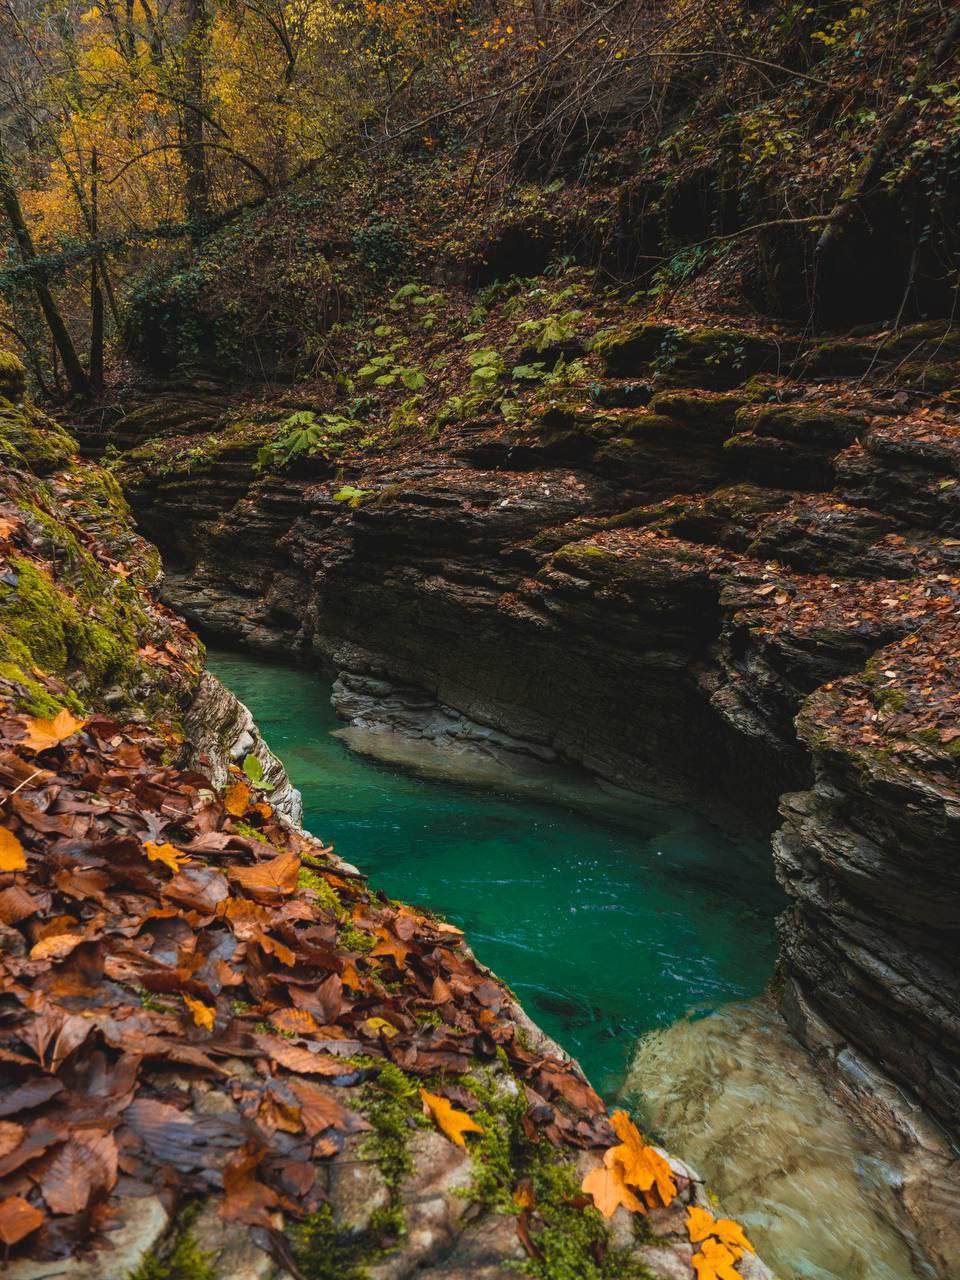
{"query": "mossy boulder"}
[(28, 438), (680, 357), (713, 410), (809, 425), (13, 376)]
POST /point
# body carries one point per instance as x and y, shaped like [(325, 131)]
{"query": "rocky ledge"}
[(657, 593), (222, 1053)]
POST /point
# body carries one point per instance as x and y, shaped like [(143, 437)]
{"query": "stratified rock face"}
[(656, 593)]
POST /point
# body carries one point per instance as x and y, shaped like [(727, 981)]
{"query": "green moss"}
[(574, 1242), (244, 829), (13, 374), (323, 1252), (350, 938), (391, 1105), (326, 895), (37, 440), (185, 1261)]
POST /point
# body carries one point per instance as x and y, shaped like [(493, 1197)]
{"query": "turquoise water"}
[(605, 929)]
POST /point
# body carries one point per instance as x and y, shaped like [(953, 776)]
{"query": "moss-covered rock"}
[(710, 356), (13, 376), (28, 438)]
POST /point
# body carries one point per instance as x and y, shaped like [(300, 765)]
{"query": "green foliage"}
[(254, 771), (304, 436), (350, 495), (487, 367), (382, 246), (552, 329), (573, 1240), (323, 1252), (383, 371)]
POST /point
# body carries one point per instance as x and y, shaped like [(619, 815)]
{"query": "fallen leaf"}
[(236, 799), (11, 1135), (643, 1167), (81, 1166), (391, 945), (701, 1224), (202, 1014), (454, 1123), (12, 857), (43, 734), (379, 1026), (605, 1185), (165, 853), (300, 1021), (523, 1194), (269, 880), (714, 1262), (56, 947), (17, 1219)]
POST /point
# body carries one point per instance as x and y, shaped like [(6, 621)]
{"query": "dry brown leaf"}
[(299, 1021), (56, 947), (11, 1135), (452, 1122), (269, 880), (12, 856)]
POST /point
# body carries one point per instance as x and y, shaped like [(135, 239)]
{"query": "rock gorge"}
[(748, 592)]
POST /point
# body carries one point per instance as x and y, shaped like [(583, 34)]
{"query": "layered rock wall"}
[(655, 593)]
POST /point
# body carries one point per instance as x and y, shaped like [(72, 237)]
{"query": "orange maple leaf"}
[(643, 1167), (454, 1123), (715, 1262), (608, 1189), (203, 1014), (12, 857), (42, 734), (701, 1224), (165, 853)]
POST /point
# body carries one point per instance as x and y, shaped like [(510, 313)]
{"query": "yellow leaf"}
[(643, 1167), (609, 1191), (701, 1223), (237, 798), (373, 1025), (42, 734), (202, 1014), (165, 853), (12, 857), (714, 1262), (454, 1123)]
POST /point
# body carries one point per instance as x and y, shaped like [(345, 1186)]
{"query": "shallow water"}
[(734, 1094), (604, 928)]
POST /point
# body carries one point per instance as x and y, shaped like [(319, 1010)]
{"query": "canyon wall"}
[(655, 588)]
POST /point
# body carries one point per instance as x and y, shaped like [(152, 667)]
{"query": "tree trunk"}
[(63, 343), (96, 293), (196, 182)]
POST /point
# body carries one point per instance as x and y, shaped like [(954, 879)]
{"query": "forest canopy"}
[(131, 126)]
